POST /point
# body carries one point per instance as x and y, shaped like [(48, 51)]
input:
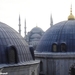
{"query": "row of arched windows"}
[(11, 55), (62, 47)]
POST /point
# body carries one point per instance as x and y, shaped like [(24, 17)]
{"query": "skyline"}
[(36, 12)]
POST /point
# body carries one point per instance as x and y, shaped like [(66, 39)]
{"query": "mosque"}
[(56, 49), (33, 37)]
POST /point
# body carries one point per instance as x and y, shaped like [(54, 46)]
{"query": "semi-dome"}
[(13, 48), (59, 38)]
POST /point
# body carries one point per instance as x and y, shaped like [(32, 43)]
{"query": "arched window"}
[(33, 73), (72, 71), (41, 66), (12, 55), (54, 47), (63, 47)]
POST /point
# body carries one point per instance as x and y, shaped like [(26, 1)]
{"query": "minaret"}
[(51, 21), (25, 28), (19, 25), (71, 17)]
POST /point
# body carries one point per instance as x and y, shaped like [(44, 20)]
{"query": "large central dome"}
[(62, 35)]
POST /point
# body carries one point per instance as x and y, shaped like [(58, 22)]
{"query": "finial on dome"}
[(71, 9), (71, 17)]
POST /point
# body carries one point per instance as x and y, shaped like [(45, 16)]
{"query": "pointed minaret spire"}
[(36, 25), (51, 21), (25, 28), (19, 25)]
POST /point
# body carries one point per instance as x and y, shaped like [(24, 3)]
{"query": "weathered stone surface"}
[(56, 63), (21, 69)]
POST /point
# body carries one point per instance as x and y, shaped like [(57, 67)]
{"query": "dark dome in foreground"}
[(63, 32), (11, 42)]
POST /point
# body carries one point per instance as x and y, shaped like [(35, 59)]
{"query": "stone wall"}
[(21, 69), (57, 63)]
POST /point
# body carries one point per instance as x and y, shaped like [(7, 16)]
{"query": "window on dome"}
[(12, 55), (63, 47), (54, 47), (41, 66)]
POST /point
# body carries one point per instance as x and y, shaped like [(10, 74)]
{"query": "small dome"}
[(36, 30), (11, 42), (34, 36), (71, 16), (58, 34)]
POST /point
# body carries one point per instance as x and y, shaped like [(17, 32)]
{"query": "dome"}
[(36, 30), (35, 36), (12, 43), (62, 32)]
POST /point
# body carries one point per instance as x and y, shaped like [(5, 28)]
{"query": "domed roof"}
[(36, 30), (63, 32), (9, 39)]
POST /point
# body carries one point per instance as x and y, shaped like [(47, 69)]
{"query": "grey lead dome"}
[(63, 32), (37, 30), (9, 37)]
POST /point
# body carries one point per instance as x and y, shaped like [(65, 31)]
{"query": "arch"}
[(41, 66), (54, 47), (63, 47), (72, 70), (33, 73), (11, 54)]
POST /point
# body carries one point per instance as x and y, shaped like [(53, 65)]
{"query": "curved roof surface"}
[(8, 37), (63, 32), (36, 29), (36, 36)]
